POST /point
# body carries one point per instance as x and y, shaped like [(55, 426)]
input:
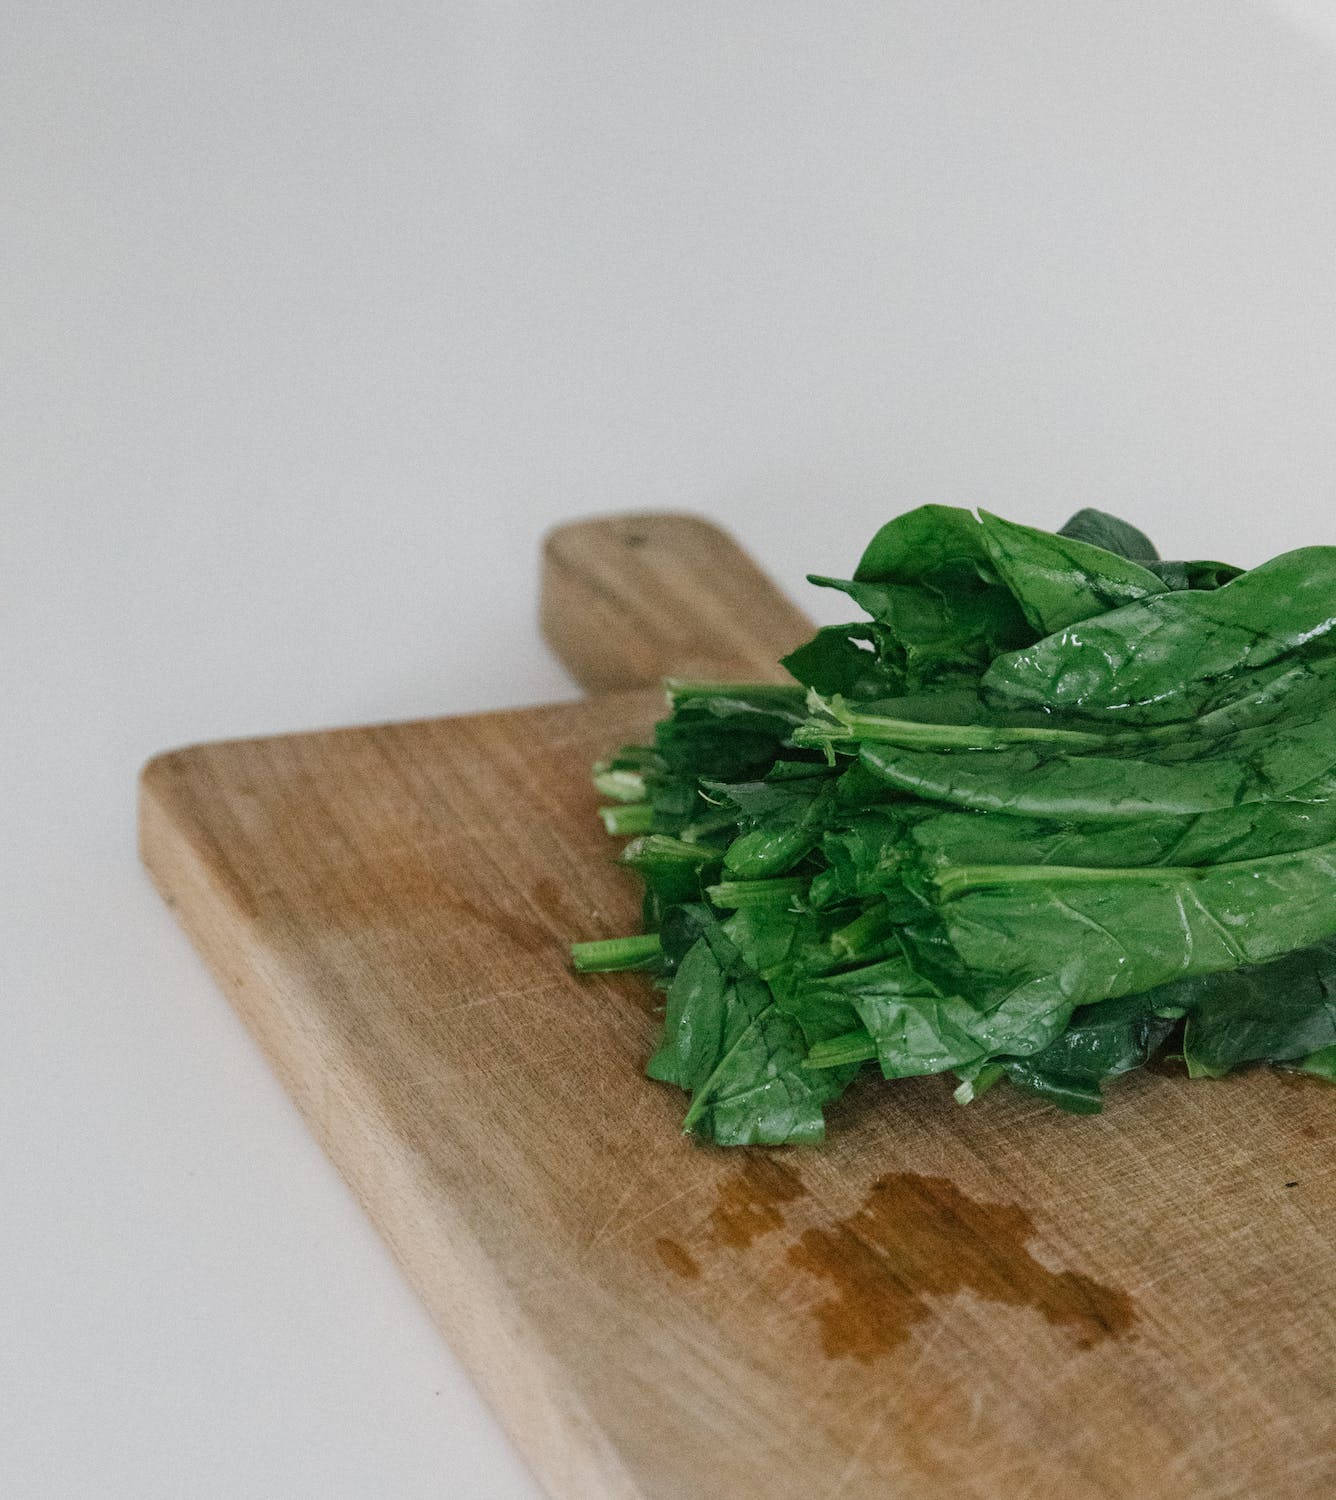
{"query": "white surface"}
[(313, 317)]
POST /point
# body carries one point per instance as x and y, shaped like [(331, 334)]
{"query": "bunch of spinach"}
[(1054, 807)]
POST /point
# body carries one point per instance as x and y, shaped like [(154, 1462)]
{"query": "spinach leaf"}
[(728, 733), (759, 1093), (939, 632), (1304, 818), (1278, 1012), (915, 1029), (1058, 580), (1038, 941), (1101, 529), (939, 542), (1194, 575), (727, 1043), (1191, 775), (1101, 1041), (1297, 687), (866, 854), (1156, 659), (856, 661), (927, 578), (703, 1009), (778, 838)]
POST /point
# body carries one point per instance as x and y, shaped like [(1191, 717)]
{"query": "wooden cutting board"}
[(941, 1302)]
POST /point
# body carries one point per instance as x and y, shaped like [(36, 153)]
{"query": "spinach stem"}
[(778, 891), (863, 934), (971, 1088), (651, 849), (628, 818), (683, 689), (619, 784), (956, 880), (609, 954), (851, 723), (840, 1051)]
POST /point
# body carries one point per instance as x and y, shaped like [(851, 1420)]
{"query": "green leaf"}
[(1197, 574), (759, 1094), (740, 1057), (1305, 818), (1101, 1042), (940, 632), (1037, 942), (700, 1001), (1195, 774), (940, 541), (1321, 1064), (858, 661), (1275, 1012), (1078, 1096), (1059, 580), (728, 735), (784, 834), (1100, 529), (1155, 660)]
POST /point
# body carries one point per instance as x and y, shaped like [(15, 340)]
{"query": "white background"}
[(314, 316)]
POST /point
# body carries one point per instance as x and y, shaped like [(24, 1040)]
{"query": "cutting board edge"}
[(519, 1380), (160, 763)]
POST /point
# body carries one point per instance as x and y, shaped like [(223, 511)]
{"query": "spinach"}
[(856, 661), (1299, 821), (1101, 1041), (939, 632), (926, 578), (1194, 774), (1103, 530), (1194, 575), (1034, 942), (1156, 659), (1279, 1012), (1056, 806), (1058, 580)]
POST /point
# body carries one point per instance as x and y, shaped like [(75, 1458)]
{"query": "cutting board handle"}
[(628, 600)]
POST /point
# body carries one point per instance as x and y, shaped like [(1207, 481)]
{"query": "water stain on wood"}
[(750, 1203), (677, 1258), (916, 1238)]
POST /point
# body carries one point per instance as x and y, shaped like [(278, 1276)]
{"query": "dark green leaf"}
[(1059, 580), (1279, 1011), (1154, 660), (1039, 941), (1101, 529), (933, 541), (1194, 575), (858, 661), (1193, 775)]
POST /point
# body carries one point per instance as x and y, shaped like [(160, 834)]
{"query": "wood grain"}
[(998, 1301), (629, 599)]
